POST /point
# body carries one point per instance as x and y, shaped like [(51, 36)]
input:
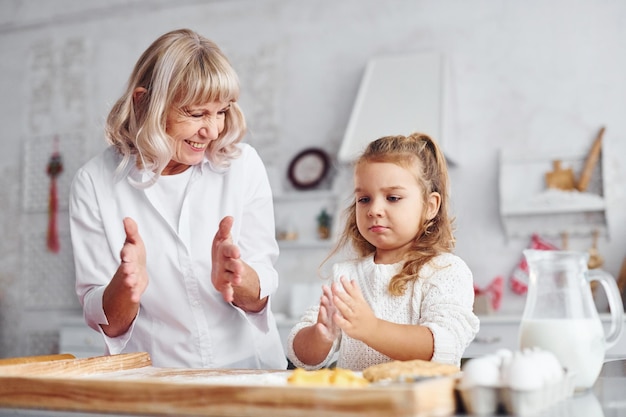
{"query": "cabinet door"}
[(81, 341), (492, 337)]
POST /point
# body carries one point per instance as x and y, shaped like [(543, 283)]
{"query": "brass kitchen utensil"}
[(595, 259)]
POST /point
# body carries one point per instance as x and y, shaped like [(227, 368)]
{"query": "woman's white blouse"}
[(441, 299), (182, 321)]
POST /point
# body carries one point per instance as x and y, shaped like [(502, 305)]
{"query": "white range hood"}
[(398, 95)]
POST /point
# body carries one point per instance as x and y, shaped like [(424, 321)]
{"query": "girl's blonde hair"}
[(421, 155), (180, 69)]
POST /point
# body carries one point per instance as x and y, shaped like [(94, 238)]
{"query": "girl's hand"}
[(325, 324), (354, 315)]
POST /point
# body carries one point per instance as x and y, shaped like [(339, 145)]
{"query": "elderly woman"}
[(172, 225)]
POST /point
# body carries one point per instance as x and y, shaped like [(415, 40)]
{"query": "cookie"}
[(406, 370)]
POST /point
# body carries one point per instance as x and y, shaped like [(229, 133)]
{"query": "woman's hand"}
[(354, 315), (121, 297), (133, 269), (228, 267)]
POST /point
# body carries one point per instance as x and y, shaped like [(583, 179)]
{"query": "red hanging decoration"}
[(519, 278), (493, 291), (54, 169)]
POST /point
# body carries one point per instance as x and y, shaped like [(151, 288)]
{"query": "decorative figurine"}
[(323, 225)]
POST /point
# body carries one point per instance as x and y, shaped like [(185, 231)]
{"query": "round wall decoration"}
[(308, 168)]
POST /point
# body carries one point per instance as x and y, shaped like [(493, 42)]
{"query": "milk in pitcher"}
[(579, 344)]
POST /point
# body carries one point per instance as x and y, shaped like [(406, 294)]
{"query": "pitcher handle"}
[(615, 304)]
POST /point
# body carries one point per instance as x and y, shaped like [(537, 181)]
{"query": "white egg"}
[(522, 373), (482, 371), (504, 353), (550, 366)]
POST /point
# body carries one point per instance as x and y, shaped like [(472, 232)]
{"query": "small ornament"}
[(492, 293), (595, 259), (288, 232), (54, 169), (323, 225)]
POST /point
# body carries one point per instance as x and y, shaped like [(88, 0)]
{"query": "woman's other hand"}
[(228, 267), (121, 297)]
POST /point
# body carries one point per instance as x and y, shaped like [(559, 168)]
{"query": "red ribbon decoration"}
[(493, 291), (54, 169), (519, 278)]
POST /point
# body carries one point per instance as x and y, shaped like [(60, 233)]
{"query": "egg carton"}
[(487, 400)]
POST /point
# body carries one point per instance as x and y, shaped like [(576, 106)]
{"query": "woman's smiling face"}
[(191, 130)]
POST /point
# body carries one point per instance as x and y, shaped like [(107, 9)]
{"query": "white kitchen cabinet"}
[(80, 340), (285, 324), (494, 334)]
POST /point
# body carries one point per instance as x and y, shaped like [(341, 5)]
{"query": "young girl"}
[(405, 296)]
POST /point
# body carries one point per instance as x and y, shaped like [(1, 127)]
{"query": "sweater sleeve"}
[(446, 307)]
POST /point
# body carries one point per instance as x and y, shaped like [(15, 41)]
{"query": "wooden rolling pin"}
[(590, 163), (32, 359)]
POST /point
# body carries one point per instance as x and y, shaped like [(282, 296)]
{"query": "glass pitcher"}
[(560, 314)]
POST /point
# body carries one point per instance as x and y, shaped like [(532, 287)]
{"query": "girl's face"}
[(191, 129), (390, 208)]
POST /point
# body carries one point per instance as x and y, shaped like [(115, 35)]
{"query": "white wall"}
[(537, 74)]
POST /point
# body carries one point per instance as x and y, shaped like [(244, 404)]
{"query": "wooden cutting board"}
[(129, 384)]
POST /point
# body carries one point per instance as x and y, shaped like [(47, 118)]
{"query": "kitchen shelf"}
[(297, 212), (297, 196), (305, 244), (576, 202), (527, 206)]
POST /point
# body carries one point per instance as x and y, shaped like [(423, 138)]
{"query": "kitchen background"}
[(522, 83)]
